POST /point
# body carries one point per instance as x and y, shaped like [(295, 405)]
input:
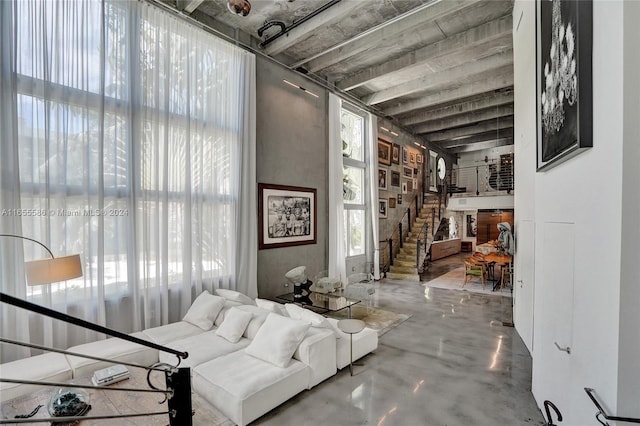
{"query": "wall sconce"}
[(301, 88)]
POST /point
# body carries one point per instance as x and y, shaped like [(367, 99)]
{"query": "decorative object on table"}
[(324, 284), (384, 152), (382, 208), (564, 80), (395, 154), (395, 178), (287, 216), (109, 375), (301, 284), (69, 402), (382, 178)]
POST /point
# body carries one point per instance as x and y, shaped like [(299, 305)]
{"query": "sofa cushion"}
[(277, 339), (50, 366), (228, 304), (201, 348), (244, 388), (114, 349), (259, 317), (170, 332), (316, 320), (234, 324), (235, 296), (271, 306), (204, 310)]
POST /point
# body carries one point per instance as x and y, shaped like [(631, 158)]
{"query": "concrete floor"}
[(452, 363)]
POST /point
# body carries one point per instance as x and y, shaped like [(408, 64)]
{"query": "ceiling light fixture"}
[(301, 88), (239, 7), (388, 131)]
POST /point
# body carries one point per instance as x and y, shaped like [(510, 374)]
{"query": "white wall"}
[(576, 209)]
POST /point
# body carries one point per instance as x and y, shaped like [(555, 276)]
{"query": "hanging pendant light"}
[(239, 7)]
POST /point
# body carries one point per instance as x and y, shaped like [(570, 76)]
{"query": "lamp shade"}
[(47, 271)]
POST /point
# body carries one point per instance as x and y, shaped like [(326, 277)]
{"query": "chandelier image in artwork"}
[(561, 80)]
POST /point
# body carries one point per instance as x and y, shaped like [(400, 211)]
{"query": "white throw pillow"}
[(316, 320), (259, 317), (234, 324), (275, 307), (235, 296), (228, 304), (204, 310), (277, 339)]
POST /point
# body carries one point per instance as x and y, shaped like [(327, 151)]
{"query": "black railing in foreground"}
[(604, 414), (178, 380)]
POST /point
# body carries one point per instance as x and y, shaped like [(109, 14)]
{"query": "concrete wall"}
[(576, 209), (291, 139)]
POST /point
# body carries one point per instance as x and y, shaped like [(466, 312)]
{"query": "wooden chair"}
[(475, 270), (505, 275)]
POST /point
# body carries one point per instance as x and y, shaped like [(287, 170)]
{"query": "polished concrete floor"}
[(453, 362)]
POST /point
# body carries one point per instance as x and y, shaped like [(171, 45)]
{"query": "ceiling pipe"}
[(285, 30)]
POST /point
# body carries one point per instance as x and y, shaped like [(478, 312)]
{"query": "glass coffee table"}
[(322, 302)]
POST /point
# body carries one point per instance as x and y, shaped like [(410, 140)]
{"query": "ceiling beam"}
[(329, 16), (479, 146), (428, 81), (486, 126), (483, 137), (496, 99), (465, 119), (502, 79), (454, 44), (417, 17), (188, 5)]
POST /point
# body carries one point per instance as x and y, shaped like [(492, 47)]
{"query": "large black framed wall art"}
[(564, 40)]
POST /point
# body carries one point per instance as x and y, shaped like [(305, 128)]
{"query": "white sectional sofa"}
[(280, 351)]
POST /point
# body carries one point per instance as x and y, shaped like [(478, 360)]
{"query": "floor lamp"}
[(46, 271)]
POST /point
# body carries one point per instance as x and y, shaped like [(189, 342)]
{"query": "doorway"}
[(487, 224)]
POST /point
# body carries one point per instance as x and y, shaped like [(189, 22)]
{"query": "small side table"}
[(351, 327)]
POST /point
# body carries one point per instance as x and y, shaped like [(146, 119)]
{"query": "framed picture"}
[(395, 154), (405, 155), (410, 185), (415, 183), (407, 171), (412, 157), (404, 188), (415, 171), (287, 216), (564, 35), (419, 158), (382, 178), (383, 207), (399, 198), (384, 152), (395, 178), (392, 203)]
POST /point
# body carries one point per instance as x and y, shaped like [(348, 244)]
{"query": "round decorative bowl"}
[(68, 402)]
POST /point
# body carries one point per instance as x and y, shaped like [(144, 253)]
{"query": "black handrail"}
[(601, 412)]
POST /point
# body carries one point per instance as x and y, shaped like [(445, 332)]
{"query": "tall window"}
[(352, 132), (129, 137)]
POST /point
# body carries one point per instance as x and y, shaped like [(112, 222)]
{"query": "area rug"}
[(453, 280), (375, 318)]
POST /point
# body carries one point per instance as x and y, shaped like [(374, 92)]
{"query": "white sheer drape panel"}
[(337, 267), (372, 142), (129, 131)]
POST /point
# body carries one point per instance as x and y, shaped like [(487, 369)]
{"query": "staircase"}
[(404, 264)]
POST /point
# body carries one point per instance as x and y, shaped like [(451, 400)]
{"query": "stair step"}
[(405, 277), (405, 258), (404, 269), (405, 262)]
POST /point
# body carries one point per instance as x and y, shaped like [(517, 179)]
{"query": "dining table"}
[(499, 259)]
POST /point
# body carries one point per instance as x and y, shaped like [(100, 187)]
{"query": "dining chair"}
[(361, 286), (474, 270)]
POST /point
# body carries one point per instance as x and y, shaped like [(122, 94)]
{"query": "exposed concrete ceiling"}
[(441, 69)]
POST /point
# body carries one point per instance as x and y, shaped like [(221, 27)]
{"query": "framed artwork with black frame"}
[(399, 198), (405, 155), (384, 152), (395, 178), (564, 44), (287, 216)]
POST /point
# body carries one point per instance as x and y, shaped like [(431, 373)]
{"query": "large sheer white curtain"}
[(337, 267), (127, 137)]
